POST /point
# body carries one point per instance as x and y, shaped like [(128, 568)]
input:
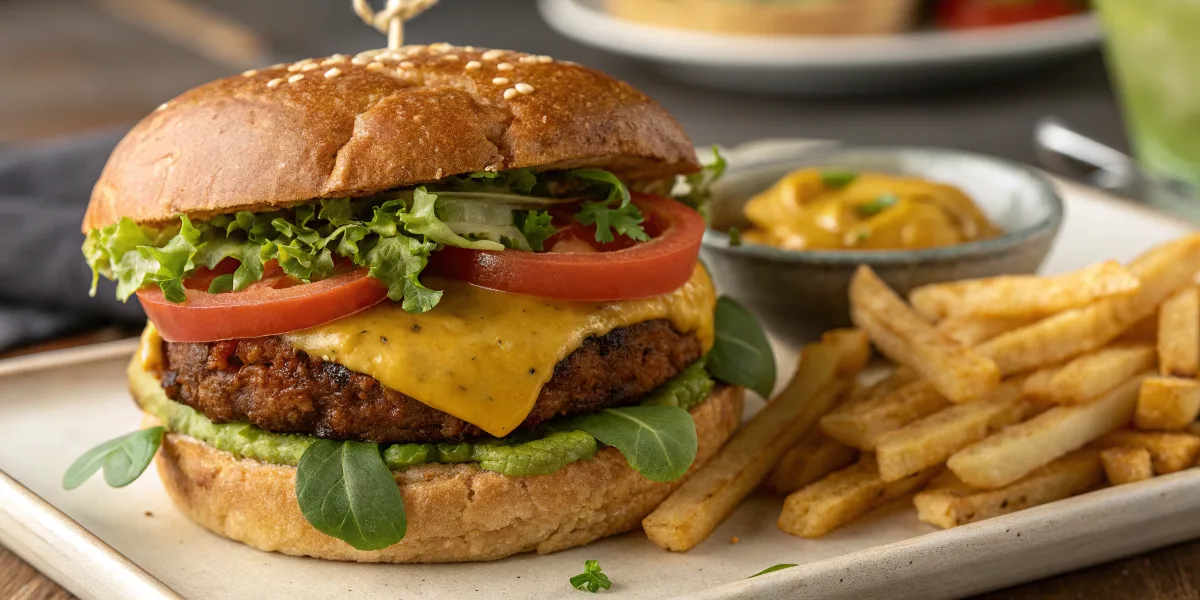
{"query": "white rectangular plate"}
[(54, 407)]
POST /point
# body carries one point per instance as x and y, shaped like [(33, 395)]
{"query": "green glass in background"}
[(1152, 48)]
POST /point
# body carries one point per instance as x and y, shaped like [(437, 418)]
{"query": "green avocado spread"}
[(537, 452)]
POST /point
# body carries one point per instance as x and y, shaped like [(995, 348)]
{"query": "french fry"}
[(816, 456), (694, 509), (971, 331), (1126, 465), (890, 344), (1144, 331), (1018, 450), (853, 346), (1167, 404), (861, 425), (1179, 334), (1087, 377), (1024, 296), (1054, 339), (949, 502), (1193, 428), (1169, 452), (928, 442), (954, 370), (842, 497), (898, 378)]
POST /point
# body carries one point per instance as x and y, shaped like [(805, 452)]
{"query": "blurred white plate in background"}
[(827, 65)]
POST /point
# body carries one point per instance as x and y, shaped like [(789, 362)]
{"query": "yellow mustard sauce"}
[(809, 209), (482, 355)]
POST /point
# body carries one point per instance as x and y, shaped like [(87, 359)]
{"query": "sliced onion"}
[(516, 200), (494, 233)]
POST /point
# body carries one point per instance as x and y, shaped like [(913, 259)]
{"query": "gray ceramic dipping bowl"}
[(799, 294)]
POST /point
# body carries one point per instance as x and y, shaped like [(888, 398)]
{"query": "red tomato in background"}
[(969, 14)]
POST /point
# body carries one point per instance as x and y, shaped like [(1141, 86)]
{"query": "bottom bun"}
[(456, 512)]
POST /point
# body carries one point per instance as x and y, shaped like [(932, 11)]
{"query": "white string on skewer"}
[(391, 19)]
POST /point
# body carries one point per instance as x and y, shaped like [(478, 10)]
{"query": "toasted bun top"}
[(351, 126)]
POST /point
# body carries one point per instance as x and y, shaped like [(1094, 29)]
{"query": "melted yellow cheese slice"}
[(482, 355), (150, 348)]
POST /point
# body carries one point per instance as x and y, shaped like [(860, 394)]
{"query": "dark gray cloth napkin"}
[(44, 190)]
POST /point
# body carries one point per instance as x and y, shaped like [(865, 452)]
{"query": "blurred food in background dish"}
[(773, 17), (821, 47), (837, 17), (814, 209), (969, 14)]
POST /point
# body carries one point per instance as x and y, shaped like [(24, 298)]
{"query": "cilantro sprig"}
[(591, 579), (615, 212), (695, 190), (625, 220), (535, 226)]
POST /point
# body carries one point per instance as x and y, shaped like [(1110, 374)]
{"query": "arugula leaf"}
[(616, 190), (772, 569), (741, 354), (696, 188), (658, 441), (626, 220), (837, 178), (883, 202), (123, 459), (345, 491), (535, 226), (592, 579)]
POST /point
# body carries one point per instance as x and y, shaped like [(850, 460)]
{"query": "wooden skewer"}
[(391, 19)]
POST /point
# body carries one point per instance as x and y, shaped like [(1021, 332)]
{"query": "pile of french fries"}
[(1004, 393)]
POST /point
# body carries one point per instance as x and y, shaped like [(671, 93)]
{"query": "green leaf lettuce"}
[(392, 234)]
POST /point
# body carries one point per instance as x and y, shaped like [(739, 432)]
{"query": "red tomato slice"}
[(276, 304), (652, 268), (966, 14)]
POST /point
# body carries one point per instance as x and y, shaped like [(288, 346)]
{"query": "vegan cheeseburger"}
[(419, 305)]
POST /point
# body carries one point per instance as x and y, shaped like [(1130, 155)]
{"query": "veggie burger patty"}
[(266, 382)]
